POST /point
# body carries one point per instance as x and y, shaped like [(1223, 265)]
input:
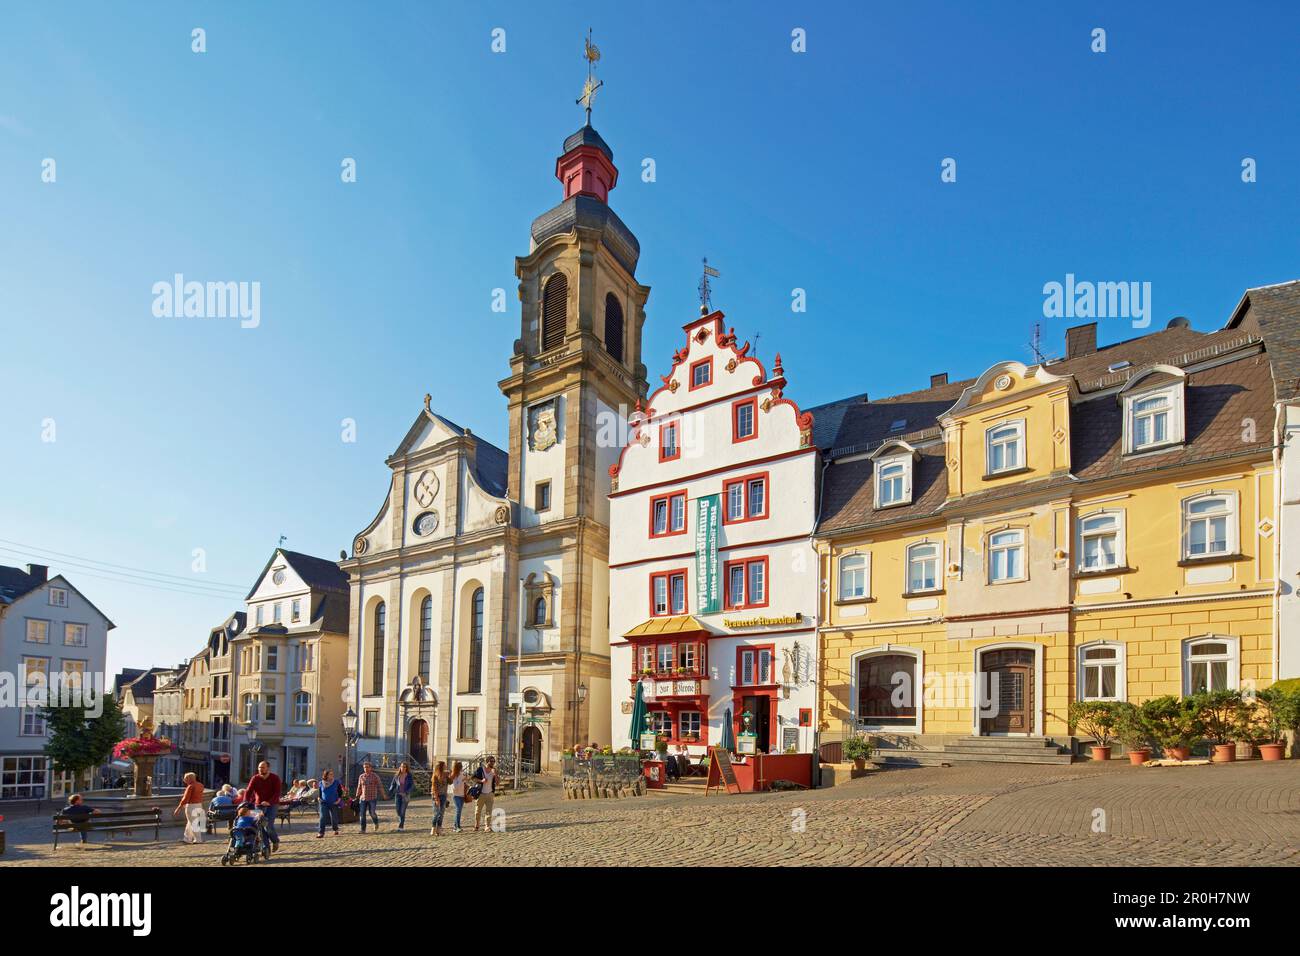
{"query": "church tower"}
[(575, 376)]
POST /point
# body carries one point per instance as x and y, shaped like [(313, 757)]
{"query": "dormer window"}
[(1153, 409), (1153, 419), (893, 481), (1005, 447)]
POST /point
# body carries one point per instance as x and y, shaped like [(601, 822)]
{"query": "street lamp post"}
[(577, 717), (254, 745), (350, 740)]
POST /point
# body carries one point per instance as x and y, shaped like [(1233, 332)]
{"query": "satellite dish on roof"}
[(1179, 322)]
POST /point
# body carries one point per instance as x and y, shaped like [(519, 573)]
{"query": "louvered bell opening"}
[(613, 328), (555, 303)]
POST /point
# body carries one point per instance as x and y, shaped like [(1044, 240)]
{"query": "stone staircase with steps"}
[(1039, 750)]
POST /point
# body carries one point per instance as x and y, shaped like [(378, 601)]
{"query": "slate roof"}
[(319, 573), (1217, 401), (1273, 311), (590, 213), (587, 136), (15, 582), (125, 676), (143, 686)]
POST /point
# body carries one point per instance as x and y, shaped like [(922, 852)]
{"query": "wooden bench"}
[(109, 821)]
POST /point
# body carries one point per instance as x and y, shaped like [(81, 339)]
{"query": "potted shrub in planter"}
[(1096, 719), (1131, 730), (1173, 723), (1275, 712), (857, 748), (1220, 712)]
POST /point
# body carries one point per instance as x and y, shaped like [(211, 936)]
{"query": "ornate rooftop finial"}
[(706, 303), (591, 53), (427, 399)]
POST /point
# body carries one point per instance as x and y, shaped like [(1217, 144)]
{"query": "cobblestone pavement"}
[(983, 815)]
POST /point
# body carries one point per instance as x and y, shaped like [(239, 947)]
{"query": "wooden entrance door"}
[(419, 742), (1008, 676)]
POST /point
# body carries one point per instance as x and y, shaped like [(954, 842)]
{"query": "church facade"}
[(479, 591)]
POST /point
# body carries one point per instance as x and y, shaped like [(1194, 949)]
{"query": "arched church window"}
[(377, 659), (426, 637), (555, 305), (475, 685), (613, 327), (539, 612)]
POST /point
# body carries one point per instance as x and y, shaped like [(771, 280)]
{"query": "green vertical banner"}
[(708, 597)]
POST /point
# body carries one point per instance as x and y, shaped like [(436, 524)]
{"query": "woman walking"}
[(399, 788), (459, 788), (192, 806), (438, 789), (330, 794)]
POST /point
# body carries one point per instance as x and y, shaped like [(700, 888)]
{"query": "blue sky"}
[(816, 170)]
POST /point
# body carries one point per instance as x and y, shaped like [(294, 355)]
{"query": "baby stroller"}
[(247, 843)]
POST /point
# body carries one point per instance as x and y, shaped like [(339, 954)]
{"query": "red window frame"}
[(726, 583), (708, 363), (755, 649), (735, 419), (744, 481), (805, 716), (675, 425), (669, 524), (700, 672), (686, 592)]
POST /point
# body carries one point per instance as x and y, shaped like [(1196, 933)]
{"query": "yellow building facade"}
[(1095, 527)]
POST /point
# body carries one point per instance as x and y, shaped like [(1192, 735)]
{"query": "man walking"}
[(192, 806), (263, 792), (487, 781), (369, 787)]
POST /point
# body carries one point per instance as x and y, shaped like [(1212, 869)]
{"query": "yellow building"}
[(1094, 527)]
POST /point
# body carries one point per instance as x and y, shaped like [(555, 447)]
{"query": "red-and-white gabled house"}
[(715, 621)]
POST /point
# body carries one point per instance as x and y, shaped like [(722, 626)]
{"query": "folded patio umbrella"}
[(638, 716), (728, 732)]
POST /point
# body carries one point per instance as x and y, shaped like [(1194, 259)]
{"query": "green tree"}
[(80, 742)]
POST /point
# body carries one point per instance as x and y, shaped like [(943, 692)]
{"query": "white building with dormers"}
[(287, 671), (708, 646), (50, 633)]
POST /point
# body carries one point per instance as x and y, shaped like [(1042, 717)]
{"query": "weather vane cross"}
[(591, 53), (706, 302)]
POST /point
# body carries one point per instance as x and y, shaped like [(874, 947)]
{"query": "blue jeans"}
[(268, 815), (369, 805), (401, 800), (329, 815), (439, 808), (460, 805)]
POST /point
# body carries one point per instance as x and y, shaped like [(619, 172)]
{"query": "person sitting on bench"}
[(78, 814)]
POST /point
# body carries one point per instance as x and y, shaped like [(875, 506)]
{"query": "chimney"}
[(1081, 340), (940, 379), (39, 571)]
